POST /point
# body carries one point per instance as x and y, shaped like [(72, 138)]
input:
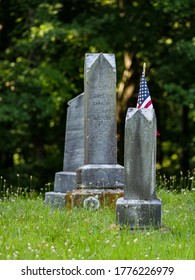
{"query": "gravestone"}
[(65, 181), (100, 171), (139, 208)]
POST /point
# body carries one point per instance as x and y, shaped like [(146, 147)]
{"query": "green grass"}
[(31, 230)]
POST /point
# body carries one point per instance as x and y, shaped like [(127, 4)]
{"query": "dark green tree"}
[(42, 49)]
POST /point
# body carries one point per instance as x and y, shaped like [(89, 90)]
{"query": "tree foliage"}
[(42, 49)]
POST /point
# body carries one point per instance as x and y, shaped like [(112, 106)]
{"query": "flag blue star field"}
[(144, 99)]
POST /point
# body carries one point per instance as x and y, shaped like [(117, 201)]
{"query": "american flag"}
[(144, 100)]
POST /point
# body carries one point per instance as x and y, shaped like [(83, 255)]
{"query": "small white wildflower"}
[(53, 249), (107, 241), (135, 240), (15, 254)]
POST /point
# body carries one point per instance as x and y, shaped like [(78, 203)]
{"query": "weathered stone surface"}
[(74, 146), (140, 208), (140, 154), (101, 168), (138, 213), (74, 136), (64, 181), (100, 109), (73, 151), (104, 176), (55, 199), (106, 197), (91, 203)]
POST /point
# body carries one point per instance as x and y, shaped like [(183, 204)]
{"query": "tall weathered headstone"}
[(100, 169), (73, 152), (139, 208)]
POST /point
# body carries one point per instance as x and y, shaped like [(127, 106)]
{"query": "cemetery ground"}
[(30, 230)]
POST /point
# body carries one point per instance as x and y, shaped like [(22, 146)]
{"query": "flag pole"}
[(144, 68)]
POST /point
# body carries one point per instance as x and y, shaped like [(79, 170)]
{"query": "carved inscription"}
[(100, 102)]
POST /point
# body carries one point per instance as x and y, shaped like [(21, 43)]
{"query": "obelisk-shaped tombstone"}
[(73, 152), (139, 208), (100, 169)]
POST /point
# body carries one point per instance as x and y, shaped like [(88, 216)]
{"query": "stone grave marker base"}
[(100, 176), (76, 198), (138, 213), (64, 181), (56, 199), (106, 197)]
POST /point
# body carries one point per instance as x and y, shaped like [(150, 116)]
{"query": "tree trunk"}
[(127, 88)]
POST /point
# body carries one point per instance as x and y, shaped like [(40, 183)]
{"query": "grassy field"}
[(31, 230)]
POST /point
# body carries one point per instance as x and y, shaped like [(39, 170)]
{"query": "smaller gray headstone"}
[(140, 208), (74, 146), (74, 137), (73, 152)]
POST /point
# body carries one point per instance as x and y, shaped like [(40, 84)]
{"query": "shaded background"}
[(42, 50)]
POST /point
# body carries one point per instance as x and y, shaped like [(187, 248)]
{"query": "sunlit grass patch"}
[(31, 230)]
